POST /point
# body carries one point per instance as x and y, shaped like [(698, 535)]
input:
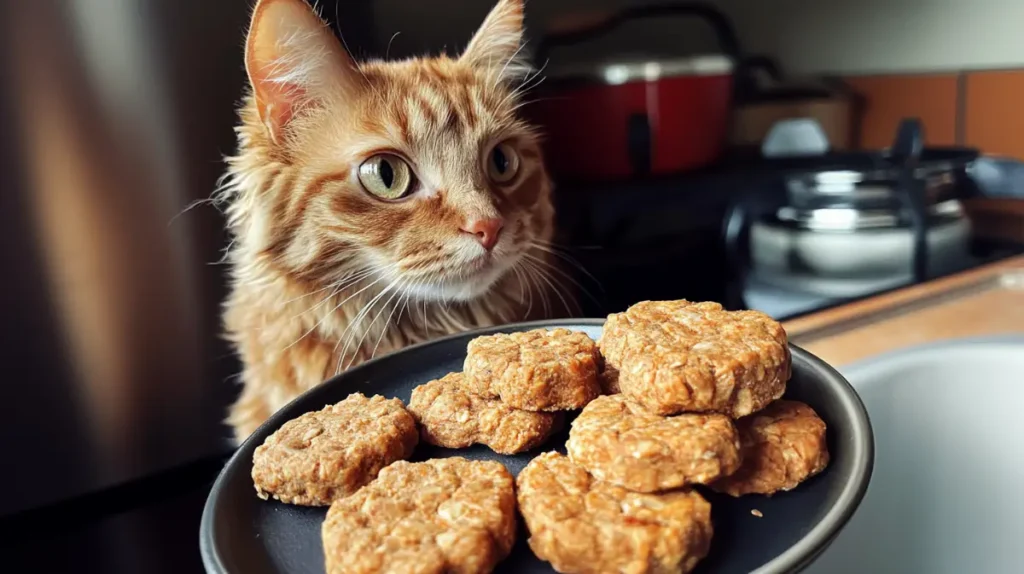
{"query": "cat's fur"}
[(325, 275)]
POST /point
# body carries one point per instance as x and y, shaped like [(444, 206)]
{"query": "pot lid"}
[(847, 219), (646, 69), (856, 188)]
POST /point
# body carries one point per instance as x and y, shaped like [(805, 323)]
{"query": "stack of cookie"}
[(697, 405), (512, 391)]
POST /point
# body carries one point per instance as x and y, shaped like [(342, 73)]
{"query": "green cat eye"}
[(386, 176), (502, 163)]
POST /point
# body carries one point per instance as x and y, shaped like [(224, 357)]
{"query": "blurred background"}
[(788, 156)]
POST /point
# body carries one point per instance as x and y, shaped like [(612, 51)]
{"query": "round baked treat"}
[(439, 516), (783, 445), (618, 441), (582, 525), (328, 454), (678, 356), (452, 417), (537, 370)]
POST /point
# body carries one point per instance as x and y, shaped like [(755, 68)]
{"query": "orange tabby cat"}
[(376, 204)]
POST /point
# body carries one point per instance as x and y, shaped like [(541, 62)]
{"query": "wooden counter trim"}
[(899, 302)]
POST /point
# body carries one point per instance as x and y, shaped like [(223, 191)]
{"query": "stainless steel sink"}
[(947, 494)]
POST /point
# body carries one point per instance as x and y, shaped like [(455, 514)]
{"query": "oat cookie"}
[(616, 440), (586, 526), (330, 453), (439, 516), (678, 356), (452, 417), (537, 370), (783, 445)]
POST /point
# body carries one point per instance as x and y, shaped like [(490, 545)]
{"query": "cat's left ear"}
[(496, 45)]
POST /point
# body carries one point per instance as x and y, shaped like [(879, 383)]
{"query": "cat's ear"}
[(293, 60), (496, 45)]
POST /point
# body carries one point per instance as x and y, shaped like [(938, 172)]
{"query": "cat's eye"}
[(386, 176), (502, 163)]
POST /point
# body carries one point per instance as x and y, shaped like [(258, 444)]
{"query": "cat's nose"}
[(485, 230)]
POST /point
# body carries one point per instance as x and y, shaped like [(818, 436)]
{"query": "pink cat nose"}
[(485, 230)]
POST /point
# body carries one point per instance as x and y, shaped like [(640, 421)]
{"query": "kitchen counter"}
[(151, 525), (986, 301)]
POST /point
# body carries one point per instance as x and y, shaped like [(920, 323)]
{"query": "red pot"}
[(637, 118)]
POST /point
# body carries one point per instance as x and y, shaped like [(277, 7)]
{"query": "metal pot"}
[(614, 120), (866, 219)]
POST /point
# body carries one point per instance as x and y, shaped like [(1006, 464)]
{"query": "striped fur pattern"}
[(324, 274)]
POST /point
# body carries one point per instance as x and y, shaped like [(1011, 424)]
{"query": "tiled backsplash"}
[(994, 112), (982, 109)]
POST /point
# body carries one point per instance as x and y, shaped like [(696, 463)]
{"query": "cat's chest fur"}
[(291, 337)]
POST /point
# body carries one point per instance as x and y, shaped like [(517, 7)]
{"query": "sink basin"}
[(946, 494)]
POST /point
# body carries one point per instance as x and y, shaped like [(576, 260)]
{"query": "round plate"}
[(241, 534)]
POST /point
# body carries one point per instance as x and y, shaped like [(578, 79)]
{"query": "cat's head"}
[(417, 172)]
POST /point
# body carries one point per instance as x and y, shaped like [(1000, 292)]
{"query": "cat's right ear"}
[(293, 61), (497, 45)]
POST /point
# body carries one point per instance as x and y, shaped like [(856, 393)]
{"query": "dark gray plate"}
[(241, 534)]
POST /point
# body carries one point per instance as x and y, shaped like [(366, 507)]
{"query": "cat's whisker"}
[(568, 288), (567, 276), (330, 313), (519, 280), (310, 294), (404, 303), (511, 59), (531, 275), (399, 283), (318, 323), (535, 73), (361, 316), (564, 256), (522, 287), (191, 206), (554, 285), (387, 53), (384, 328), (343, 283), (346, 300)]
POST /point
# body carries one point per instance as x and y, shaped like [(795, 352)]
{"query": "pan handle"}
[(604, 23)]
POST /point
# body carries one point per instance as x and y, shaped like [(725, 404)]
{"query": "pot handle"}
[(602, 24), (905, 154)]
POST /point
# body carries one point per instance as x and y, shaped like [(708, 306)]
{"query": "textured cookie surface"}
[(537, 370), (783, 445), (678, 356), (582, 525), (452, 417), (330, 453), (439, 516), (618, 441)]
